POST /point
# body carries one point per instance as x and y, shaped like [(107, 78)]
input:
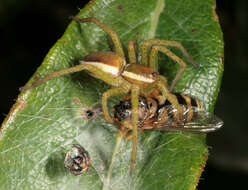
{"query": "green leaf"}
[(45, 121)]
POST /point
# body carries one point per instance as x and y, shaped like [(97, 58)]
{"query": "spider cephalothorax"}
[(129, 76)]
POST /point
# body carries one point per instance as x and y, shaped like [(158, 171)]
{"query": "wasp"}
[(129, 74), (162, 116), (77, 160)]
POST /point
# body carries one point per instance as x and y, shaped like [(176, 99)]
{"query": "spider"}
[(128, 76)]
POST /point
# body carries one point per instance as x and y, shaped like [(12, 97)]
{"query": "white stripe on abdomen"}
[(104, 67), (137, 77)]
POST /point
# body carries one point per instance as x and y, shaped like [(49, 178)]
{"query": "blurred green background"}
[(28, 29)]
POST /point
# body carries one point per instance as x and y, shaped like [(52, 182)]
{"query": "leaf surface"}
[(45, 121)]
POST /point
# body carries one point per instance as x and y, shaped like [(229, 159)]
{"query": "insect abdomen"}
[(190, 108), (152, 113)]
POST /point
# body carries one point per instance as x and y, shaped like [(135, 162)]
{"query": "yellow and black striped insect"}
[(156, 116)]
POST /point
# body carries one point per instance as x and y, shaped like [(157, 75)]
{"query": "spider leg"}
[(154, 91), (146, 45), (164, 80), (131, 135), (105, 96), (123, 132), (135, 108), (132, 51), (56, 74), (153, 61), (171, 98), (116, 41)]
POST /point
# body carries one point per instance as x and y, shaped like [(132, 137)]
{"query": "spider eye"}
[(154, 74)]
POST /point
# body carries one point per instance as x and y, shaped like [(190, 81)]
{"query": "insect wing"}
[(204, 123)]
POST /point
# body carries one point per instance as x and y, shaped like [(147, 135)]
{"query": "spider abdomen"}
[(108, 62)]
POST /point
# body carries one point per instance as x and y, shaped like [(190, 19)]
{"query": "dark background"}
[(28, 29)]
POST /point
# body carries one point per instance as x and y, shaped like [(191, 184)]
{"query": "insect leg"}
[(135, 108), (132, 51), (117, 43), (105, 96)]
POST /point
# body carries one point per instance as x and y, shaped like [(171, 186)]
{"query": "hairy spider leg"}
[(132, 52), (164, 80), (135, 90), (131, 135), (145, 51), (116, 41), (154, 57), (146, 44), (153, 90), (166, 95), (56, 74), (108, 94)]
